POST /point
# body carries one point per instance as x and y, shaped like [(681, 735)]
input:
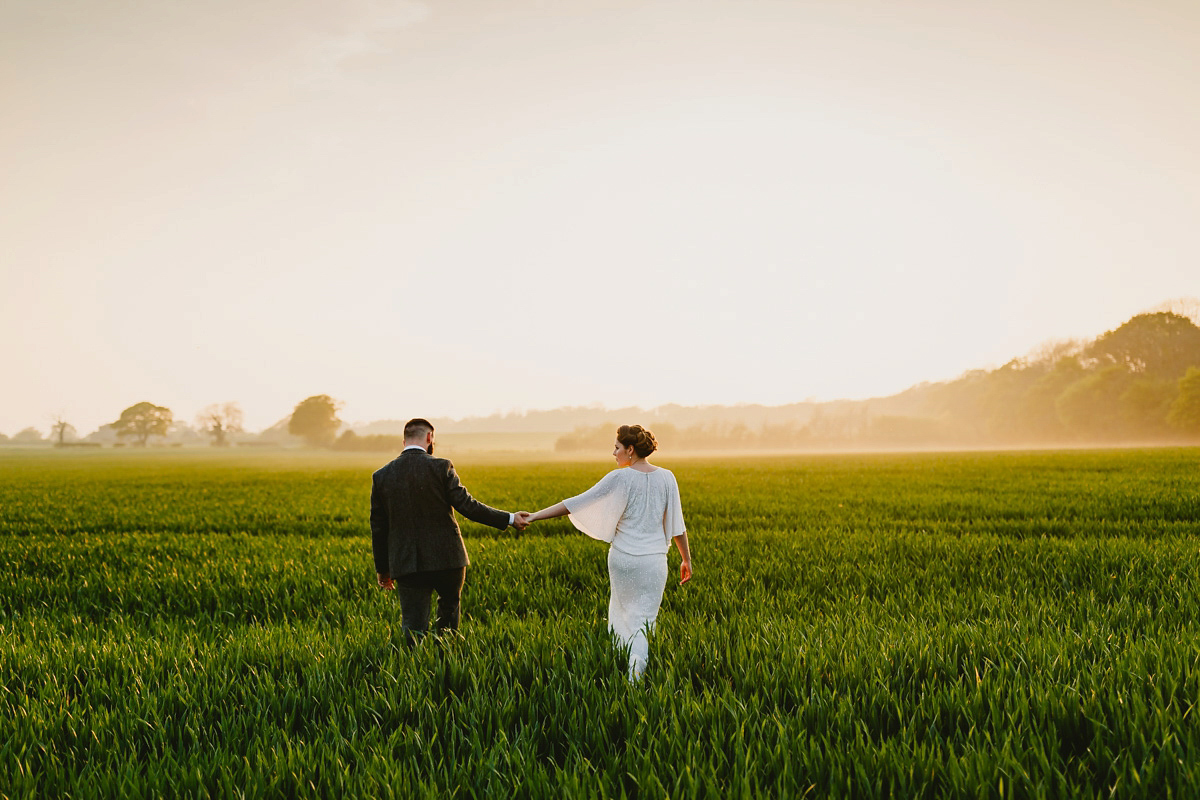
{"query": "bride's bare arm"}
[(556, 510), (685, 553)]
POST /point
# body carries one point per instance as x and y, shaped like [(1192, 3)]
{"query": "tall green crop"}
[(938, 625)]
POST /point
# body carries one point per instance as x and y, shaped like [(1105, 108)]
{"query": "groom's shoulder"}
[(391, 467), (384, 470), (415, 460)]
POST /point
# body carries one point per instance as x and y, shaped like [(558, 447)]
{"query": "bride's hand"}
[(685, 572)]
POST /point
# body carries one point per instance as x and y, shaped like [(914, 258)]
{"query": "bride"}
[(636, 510)]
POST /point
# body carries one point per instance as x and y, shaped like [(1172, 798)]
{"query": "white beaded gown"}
[(638, 513)]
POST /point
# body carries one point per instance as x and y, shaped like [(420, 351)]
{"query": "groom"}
[(417, 545)]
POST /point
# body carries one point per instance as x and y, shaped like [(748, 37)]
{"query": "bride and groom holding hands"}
[(419, 549)]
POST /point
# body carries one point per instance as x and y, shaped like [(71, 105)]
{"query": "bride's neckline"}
[(646, 471)]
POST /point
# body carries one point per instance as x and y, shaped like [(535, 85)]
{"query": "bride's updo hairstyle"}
[(637, 437)]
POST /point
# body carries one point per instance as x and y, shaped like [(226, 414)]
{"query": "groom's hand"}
[(521, 520), (384, 580)]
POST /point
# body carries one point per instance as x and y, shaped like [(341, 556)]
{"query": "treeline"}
[(352, 442), (314, 420), (844, 428), (1139, 383), (564, 419)]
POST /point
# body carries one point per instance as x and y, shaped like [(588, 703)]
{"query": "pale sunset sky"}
[(458, 207)]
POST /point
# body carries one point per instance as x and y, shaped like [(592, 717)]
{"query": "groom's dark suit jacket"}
[(412, 515)]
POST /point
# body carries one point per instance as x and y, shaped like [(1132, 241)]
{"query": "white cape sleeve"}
[(673, 515), (597, 511)]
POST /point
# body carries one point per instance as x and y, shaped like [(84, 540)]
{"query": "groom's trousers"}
[(415, 590)]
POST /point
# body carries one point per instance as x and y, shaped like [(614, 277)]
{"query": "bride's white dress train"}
[(637, 590)]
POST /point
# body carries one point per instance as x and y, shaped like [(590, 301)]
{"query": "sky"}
[(455, 208)]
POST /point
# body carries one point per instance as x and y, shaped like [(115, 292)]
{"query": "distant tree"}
[(219, 420), (962, 401), (1160, 345), (3, 438), (828, 425), (588, 437), (999, 400), (906, 431), (28, 436), (1144, 406), (1091, 407), (1183, 306), (143, 421), (1185, 411), (62, 431), (1036, 414), (315, 419), (1052, 351), (105, 434), (371, 443)]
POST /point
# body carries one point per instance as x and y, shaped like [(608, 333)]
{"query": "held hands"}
[(384, 581), (521, 520)]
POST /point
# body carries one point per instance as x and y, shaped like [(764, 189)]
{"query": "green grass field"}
[(957, 625)]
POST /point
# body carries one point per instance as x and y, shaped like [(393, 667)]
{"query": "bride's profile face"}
[(622, 454)]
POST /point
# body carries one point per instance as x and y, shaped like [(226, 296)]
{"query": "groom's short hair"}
[(416, 428)]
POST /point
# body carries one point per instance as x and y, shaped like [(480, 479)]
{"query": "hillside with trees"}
[(1136, 384)]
